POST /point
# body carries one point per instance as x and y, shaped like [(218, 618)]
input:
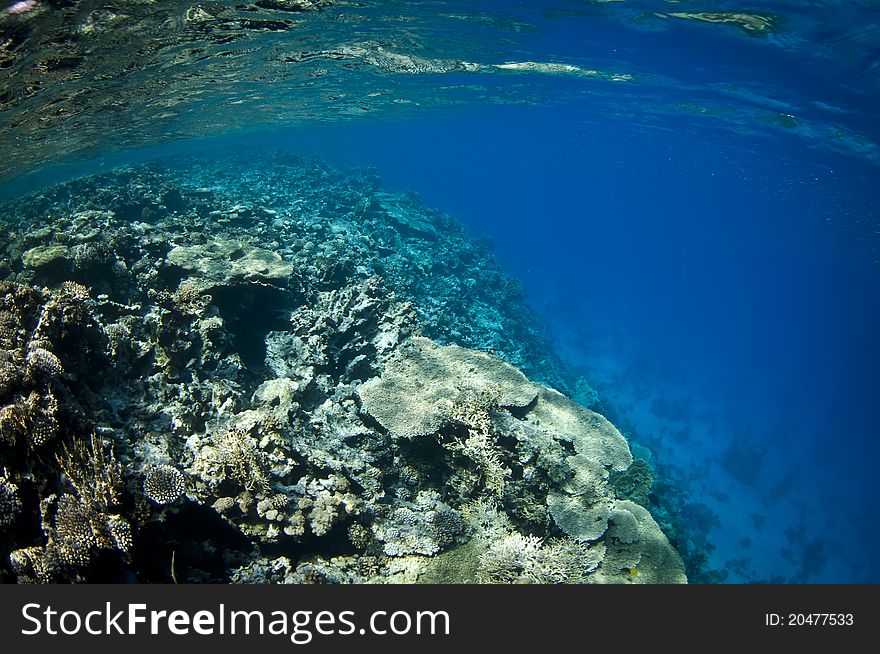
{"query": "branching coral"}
[(43, 366), (33, 418), (45, 335), (471, 407), (80, 524), (233, 454), (93, 471), (66, 321), (517, 559), (241, 458), (478, 447)]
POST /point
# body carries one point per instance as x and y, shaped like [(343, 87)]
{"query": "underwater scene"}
[(356, 291)]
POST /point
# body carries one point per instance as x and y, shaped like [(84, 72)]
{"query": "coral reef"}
[(287, 374)]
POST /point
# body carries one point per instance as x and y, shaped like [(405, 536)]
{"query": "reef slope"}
[(273, 371)]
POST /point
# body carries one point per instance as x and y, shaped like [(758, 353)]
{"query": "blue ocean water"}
[(717, 295), (701, 239)]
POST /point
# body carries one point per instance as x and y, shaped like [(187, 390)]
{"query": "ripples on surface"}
[(86, 78)]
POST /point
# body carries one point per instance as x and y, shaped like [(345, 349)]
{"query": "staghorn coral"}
[(93, 470), (230, 459), (241, 459), (471, 407), (479, 448), (519, 559), (79, 525)]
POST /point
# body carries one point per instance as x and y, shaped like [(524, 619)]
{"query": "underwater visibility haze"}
[(307, 291)]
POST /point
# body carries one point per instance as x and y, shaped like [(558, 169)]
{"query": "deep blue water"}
[(723, 279), (704, 244)]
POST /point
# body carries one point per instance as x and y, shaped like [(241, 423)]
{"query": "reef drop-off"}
[(266, 370)]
